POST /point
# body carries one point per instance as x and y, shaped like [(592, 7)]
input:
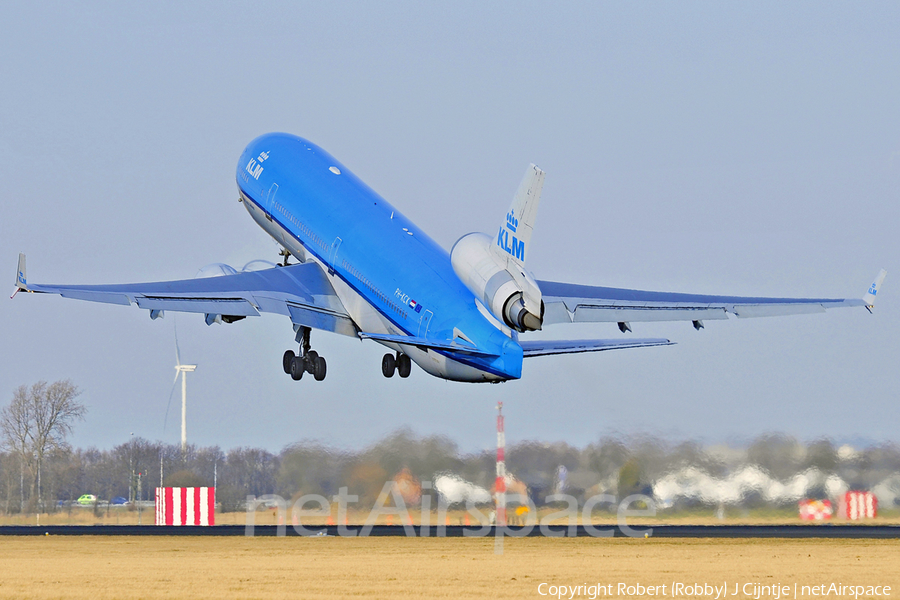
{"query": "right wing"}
[(568, 303), (301, 292)]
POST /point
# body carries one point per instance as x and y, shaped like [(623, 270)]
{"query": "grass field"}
[(98, 568)]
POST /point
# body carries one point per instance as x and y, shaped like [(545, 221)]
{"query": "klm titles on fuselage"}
[(516, 247), (254, 167)]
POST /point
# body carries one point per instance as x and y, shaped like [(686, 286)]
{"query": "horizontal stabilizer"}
[(548, 347), (421, 342)]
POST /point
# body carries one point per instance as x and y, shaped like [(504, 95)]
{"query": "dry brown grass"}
[(123, 516), (98, 568)]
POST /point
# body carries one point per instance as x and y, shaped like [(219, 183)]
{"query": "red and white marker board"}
[(857, 505), (186, 506), (815, 510)]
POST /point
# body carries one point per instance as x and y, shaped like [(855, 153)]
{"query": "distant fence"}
[(186, 506)]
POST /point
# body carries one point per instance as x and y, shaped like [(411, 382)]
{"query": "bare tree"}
[(16, 424), (37, 422)]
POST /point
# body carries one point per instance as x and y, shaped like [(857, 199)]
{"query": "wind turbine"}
[(180, 370)]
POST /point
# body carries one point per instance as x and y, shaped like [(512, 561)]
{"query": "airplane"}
[(366, 271)]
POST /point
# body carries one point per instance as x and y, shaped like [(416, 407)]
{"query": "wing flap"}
[(777, 310), (320, 319), (552, 347), (214, 306), (593, 314), (107, 297)]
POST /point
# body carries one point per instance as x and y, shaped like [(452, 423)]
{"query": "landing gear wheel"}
[(320, 368), (308, 360), (297, 368), (404, 365), (311, 357), (388, 365), (287, 360)]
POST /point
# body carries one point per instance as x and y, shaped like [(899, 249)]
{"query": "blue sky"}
[(696, 147)]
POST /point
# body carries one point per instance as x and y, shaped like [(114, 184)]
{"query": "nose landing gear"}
[(400, 363), (308, 361)]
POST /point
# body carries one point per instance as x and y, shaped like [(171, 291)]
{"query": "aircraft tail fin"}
[(21, 278), (869, 298), (514, 235)]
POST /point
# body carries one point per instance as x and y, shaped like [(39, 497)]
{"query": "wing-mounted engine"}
[(219, 270), (508, 291)]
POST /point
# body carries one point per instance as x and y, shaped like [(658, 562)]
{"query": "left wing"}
[(301, 292), (567, 303)]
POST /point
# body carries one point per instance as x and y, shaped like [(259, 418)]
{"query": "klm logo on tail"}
[(511, 221), (517, 247), (516, 229)]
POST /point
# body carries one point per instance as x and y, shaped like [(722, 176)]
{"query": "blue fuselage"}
[(391, 277)]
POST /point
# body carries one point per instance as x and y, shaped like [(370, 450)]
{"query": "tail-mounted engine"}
[(509, 292)]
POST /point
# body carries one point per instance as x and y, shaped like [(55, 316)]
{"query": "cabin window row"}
[(303, 228), (384, 299)]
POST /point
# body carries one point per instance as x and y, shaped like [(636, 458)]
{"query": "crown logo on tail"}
[(511, 222)]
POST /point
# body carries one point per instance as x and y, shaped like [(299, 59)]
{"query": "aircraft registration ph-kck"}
[(367, 271)]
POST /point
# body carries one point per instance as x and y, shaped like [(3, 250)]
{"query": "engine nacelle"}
[(509, 293)]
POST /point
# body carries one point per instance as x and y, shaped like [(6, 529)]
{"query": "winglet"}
[(514, 234), (21, 279), (869, 298)]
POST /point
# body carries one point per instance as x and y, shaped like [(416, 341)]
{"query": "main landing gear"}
[(309, 361), (400, 363)]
